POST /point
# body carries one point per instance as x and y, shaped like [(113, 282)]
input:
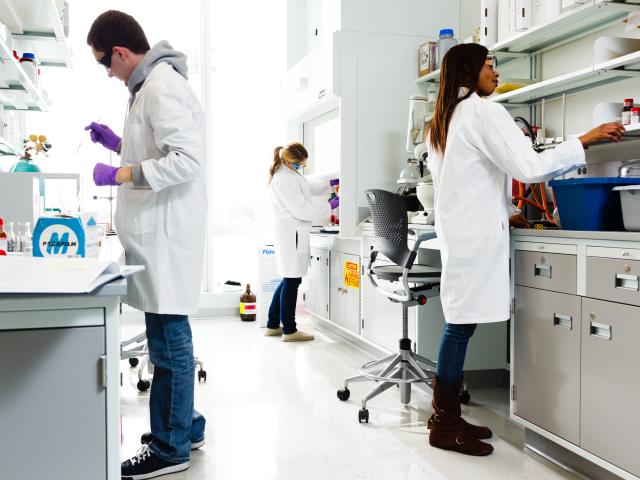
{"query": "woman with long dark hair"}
[(475, 149)]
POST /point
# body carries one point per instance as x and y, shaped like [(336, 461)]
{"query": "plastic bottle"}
[(248, 305), (635, 116), (4, 243), (30, 66), (626, 111), (12, 240), (445, 43)]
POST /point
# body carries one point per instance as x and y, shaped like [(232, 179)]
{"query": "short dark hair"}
[(117, 29)]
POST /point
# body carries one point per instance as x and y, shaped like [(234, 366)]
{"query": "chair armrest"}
[(420, 238)]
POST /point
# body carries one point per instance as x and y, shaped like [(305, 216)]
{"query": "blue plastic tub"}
[(590, 203)]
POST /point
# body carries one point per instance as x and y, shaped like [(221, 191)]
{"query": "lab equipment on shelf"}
[(445, 43), (428, 58), (25, 242), (12, 240), (627, 111), (4, 238)]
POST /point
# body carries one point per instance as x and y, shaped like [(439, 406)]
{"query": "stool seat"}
[(418, 273)]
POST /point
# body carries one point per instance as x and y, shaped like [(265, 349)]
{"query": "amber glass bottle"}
[(248, 305)]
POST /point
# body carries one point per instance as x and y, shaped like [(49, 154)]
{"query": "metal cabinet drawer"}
[(548, 271), (613, 279), (610, 384)]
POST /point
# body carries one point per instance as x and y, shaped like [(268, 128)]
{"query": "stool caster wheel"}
[(144, 385), (344, 394), (465, 397), (202, 375), (363, 415), (134, 362)]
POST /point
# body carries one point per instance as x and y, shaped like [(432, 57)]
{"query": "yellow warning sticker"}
[(351, 275)]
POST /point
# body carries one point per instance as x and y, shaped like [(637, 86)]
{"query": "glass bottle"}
[(248, 305), (12, 240), (24, 239), (626, 111)]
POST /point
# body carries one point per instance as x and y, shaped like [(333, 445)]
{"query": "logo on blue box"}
[(59, 237)]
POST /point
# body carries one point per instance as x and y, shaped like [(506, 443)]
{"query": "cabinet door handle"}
[(543, 271), (627, 282), (102, 371), (600, 330), (563, 321)]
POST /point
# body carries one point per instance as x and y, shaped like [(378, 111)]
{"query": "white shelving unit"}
[(36, 26), (37, 23), (431, 77), (573, 82), (17, 91)]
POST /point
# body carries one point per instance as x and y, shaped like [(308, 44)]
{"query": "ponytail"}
[(292, 153), (277, 163)]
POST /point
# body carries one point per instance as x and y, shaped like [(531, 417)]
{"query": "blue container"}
[(590, 203)]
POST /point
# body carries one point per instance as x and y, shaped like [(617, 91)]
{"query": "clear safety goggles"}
[(492, 62)]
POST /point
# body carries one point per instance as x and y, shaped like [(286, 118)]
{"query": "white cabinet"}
[(316, 295), (344, 296)]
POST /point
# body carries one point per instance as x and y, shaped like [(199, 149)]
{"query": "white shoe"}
[(297, 337), (273, 332)]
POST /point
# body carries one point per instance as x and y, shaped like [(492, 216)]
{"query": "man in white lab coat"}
[(160, 219)]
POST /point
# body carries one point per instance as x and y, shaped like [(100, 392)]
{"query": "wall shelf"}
[(589, 77), (431, 77), (37, 25), (17, 91), (569, 26)]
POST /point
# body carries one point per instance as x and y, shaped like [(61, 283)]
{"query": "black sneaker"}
[(148, 465), (148, 437)]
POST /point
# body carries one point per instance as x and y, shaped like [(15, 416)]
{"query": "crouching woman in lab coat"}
[(294, 212), (475, 149)]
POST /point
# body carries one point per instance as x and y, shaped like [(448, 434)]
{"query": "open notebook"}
[(58, 275)]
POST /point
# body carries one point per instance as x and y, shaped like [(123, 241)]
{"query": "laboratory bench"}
[(574, 347), (60, 381)]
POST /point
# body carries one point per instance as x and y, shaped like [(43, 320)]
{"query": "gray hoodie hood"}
[(161, 52)]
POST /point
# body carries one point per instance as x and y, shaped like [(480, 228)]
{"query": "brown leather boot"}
[(481, 433), (447, 429)]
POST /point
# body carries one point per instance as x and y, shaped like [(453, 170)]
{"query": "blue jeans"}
[(452, 352), (174, 422), (283, 306)]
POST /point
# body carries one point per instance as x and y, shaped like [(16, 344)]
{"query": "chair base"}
[(403, 369)]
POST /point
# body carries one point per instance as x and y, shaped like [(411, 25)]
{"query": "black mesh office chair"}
[(411, 285)]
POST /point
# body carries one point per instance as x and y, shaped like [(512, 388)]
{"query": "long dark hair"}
[(461, 67)]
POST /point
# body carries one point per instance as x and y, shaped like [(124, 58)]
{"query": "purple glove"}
[(334, 202), (104, 136), (104, 175), (334, 182)]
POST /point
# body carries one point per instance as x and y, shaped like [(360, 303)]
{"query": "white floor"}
[(273, 414)]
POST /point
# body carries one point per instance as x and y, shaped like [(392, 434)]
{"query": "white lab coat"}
[(295, 212), (485, 150), (163, 226)]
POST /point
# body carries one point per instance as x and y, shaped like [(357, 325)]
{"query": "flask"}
[(248, 305)]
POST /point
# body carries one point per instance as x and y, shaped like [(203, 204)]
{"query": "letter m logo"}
[(56, 243)]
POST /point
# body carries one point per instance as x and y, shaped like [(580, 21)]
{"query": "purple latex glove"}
[(334, 202), (104, 136), (334, 182), (104, 175)]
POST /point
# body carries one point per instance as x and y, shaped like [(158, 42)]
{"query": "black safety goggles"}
[(105, 61)]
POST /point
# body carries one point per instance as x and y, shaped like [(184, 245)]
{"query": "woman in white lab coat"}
[(294, 212), (475, 149)]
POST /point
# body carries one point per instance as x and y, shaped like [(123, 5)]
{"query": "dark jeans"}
[(452, 352), (174, 422), (283, 306)]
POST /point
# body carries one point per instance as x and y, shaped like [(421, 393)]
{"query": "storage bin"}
[(630, 200), (590, 203)]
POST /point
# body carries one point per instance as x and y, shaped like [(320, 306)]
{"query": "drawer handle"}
[(563, 321), (543, 271), (628, 282), (601, 331)]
